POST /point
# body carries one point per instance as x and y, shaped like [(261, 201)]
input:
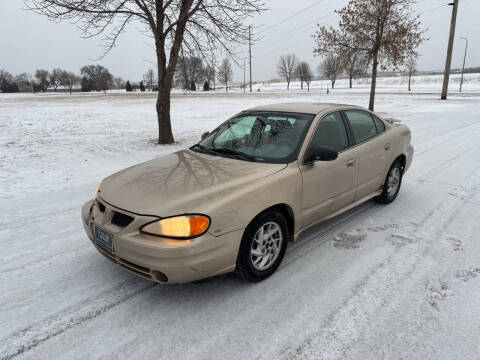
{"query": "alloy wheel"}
[(266, 246)]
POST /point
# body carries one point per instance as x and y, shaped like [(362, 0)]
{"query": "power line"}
[(435, 8), (288, 33), (272, 50), (263, 59), (297, 28), (291, 16), (432, 9)]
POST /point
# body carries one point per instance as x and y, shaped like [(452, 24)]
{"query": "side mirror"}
[(319, 154), (205, 134)]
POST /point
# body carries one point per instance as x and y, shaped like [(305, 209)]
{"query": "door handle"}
[(387, 147), (351, 162)]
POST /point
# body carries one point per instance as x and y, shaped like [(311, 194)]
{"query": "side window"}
[(362, 125), (330, 133), (379, 124)]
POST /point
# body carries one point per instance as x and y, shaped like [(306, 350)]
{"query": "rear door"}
[(328, 185), (372, 151)]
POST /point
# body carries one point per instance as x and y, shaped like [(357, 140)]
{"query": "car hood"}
[(176, 183)]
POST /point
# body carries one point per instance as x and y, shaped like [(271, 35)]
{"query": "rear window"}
[(362, 125), (379, 124)]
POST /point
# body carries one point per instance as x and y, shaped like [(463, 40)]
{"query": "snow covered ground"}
[(378, 282)]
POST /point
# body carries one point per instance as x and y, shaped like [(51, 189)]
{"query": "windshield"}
[(258, 136)]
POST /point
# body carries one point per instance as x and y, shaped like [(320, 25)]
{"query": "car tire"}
[(260, 254), (392, 184)]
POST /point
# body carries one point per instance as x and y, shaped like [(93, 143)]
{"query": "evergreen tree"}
[(128, 87), (142, 87)]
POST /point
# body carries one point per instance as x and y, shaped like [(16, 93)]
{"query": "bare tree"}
[(150, 78), (300, 72), (68, 80), (355, 65), (24, 82), (98, 77), (55, 76), (5, 76), (286, 67), (330, 68), (210, 75), (199, 26), (196, 72), (307, 74), (411, 68), (225, 73), (190, 72), (119, 83), (213, 66), (385, 30), (182, 73), (7, 82), (42, 77)]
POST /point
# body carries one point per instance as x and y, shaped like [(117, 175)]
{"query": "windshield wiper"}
[(202, 148), (233, 152), (227, 151)]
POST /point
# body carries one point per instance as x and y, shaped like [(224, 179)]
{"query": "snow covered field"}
[(378, 282)]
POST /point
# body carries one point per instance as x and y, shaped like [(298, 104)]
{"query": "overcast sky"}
[(29, 41)]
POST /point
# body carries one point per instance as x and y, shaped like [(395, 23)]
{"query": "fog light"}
[(159, 276)]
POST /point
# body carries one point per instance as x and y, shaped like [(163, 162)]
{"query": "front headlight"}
[(178, 227)]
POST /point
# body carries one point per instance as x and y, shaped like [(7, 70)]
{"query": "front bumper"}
[(161, 259)]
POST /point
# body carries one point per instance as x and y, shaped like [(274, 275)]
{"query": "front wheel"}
[(263, 247), (391, 187)]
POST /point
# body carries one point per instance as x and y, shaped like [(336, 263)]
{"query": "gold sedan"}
[(232, 202)]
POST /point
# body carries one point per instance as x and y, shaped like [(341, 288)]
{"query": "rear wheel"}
[(263, 247), (392, 184)]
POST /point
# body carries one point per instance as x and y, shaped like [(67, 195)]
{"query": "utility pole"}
[(244, 83), (448, 62), (250, 53), (464, 57)]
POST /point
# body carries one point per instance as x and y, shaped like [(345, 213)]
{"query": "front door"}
[(328, 185)]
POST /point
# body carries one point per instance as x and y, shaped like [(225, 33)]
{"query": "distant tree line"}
[(91, 78), (190, 74), (290, 68)]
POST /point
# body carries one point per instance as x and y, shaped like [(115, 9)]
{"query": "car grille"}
[(119, 219)]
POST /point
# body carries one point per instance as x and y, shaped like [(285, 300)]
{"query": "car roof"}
[(303, 107)]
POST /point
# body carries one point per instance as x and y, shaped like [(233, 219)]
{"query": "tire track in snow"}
[(449, 161), (332, 227), (444, 139), (303, 246), (343, 327), (34, 335), (38, 257), (38, 264), (30, 220)]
